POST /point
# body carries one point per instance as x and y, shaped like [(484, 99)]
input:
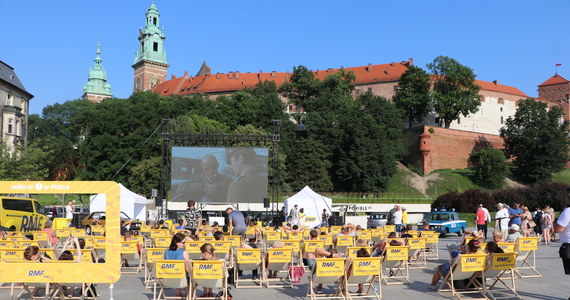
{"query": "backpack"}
[(538, 218)]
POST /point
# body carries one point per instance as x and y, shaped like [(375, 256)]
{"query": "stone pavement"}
[(554, 284)]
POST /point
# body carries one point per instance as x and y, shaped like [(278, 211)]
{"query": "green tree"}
[(537, 140), (28, 164), (454, 92), (145, 176), (196, 124), (491, 167), (309, 165), (413, 95), (372, 145)]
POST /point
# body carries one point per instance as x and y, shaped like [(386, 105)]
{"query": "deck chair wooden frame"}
[(209, 274), (130, 252), (27, 288), (85, 289), (417, 257), (431, 250), (466, 266), (366, 271), (150, 256), (526, 260), (499, 264), (328, 271), (278, 259), (396, 257), (170, 274), (342, 242), (248, 260)]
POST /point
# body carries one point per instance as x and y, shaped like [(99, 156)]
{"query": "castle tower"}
[(97, 88), (150, 62)]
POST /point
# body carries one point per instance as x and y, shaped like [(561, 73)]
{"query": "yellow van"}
[(21, 214)]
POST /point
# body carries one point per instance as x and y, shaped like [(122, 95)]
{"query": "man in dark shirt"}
[(237, 221), (192, 217)]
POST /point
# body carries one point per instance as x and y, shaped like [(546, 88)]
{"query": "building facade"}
[(14, 108), (97, 88)]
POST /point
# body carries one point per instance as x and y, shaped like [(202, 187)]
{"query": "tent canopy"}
[(132, 204), (313, 204)]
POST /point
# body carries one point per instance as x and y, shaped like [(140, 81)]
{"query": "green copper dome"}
[(97, 81), (151, 39)]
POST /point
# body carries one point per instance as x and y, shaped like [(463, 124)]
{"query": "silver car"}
[(376, 220)]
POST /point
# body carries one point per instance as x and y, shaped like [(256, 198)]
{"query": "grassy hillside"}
[(563, 176), (451, 180)]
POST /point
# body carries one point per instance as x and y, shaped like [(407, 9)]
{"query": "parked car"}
[(445, 222), (376, 220), (100, 216)]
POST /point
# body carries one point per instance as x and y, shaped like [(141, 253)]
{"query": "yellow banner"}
[(11, 254), (389, 228), (311, 245), (528, 243), (507, 247), (25, 244), (7, 244), (78, 232), (416, 243), (335, 230), (207, 239), (170, 269), (344, 240), (351, 252), (327, 239), (234, 239), (472, 262), (272, 236), (397, 252), (108, 272), (154, 233), (194, 247), (295, 245), (129, 247), (145, 228), (154, 254), (365, 235), (63, 232), (366, 266), (413, 233), (503, 261), (248, 256), (279, 255), (207, 269), (99, 242), (162, 242), (222, 246), (327, 267), (296, 236), (250, 231), (40, 236)]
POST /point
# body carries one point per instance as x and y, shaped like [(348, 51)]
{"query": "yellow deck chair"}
[(247, 260), (364, 235), (28, 287), (499, 264), (278, 259), (343, 242), (85, 288), (270, 237), (223, 251), (99, 247), (13, 254), (234, 239), (209, 274), (507, 247), (309, 246), (334, 230), (417, 255), (130, 255), (526, 260), (396, 260), (365, 271), (431, 251), (161, 242), (465, 267), (327, 239), (351, 251), (250, 233), (43, 239), (328, 271), (295, 245), (193, 249), (97, 230), (151, 255), (169, 274), (26, 243), (389, 228)]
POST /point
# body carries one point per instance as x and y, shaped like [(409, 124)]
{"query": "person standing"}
[(294, 214), (515, 214), (546, 224), (236, 221), (526, 218), (404, 216), (502, 219), (562, 227), (301, 217), (69, 212), (481, 220), (54, 213), (325, 218), (192, 218), (397, 218), (283, 214)]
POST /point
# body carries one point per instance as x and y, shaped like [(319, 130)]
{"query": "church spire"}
[(151, 63), (97, 88)]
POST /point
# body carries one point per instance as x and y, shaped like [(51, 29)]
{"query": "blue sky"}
[(51, 44)]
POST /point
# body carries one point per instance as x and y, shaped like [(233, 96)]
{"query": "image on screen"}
[(219, 175)]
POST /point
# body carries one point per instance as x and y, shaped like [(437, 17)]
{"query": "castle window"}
[(10, 125), (458, 120), (395, 88), (501, 111), (501, 101), (357, 92), (370, 89), (290, 108), (502, 120), (155, 46), (154, 21)]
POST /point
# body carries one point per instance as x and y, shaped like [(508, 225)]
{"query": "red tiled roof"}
[(235, 81), (556, 79), (491, 86)]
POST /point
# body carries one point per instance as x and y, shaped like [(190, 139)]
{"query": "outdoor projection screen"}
[(219, 175)]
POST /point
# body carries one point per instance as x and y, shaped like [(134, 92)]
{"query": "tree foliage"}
[(537, 140), (455, 92), (491, 167), (413, 95), (309, 165), (145, 176)]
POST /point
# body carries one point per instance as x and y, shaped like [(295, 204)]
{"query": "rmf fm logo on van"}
[(168, 266), (471, 259), (328, 264), (36, 273), (31, 223)]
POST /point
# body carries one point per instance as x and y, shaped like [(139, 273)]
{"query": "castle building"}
[(14, 108), (150, 64), (97, 88)]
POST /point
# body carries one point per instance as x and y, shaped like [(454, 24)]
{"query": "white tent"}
[(313, 204), (132, 204)]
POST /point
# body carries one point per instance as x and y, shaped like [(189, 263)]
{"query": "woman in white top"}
[(546, 224)]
